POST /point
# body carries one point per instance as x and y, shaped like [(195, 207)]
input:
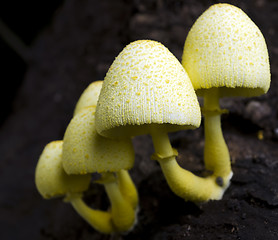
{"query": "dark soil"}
[(77, 47)]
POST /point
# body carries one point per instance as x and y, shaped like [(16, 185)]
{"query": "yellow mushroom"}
[(147, 91), (89, 98), (225, 55), (52, 181), (85, 151)]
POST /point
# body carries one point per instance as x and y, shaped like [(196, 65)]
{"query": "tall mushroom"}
[(225, 55), (147, 91), (52, 181)]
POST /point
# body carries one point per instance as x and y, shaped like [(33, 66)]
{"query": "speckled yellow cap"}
[(89, 97), (225, 49), (146, 87), (50, 177), (85, 151)]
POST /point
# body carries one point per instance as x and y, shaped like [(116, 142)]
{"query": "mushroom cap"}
[(50, 177), (89, 97), (146, 87), (225, 49), (85, 151)]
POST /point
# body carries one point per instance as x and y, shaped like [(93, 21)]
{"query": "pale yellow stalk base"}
[(181, 181), (99, 220), (127, 188), (189, 186), (216, 152), (123, 198), (122, 212)]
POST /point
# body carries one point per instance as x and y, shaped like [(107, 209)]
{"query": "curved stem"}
[(216, 153), (127, 188), (189, 186), (182, 182), (123, 215), (99, 220)]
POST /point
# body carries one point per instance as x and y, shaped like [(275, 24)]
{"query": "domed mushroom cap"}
[(146, 87), (225, 49), (50, 177), (85, 151), (89, 97)]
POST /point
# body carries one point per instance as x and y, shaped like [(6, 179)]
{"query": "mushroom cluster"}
[(148, 91), (65, 168)]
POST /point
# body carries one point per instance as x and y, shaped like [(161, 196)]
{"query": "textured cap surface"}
[(50, 177), (89, 97), (224, 48), (145, 87), (85, 151)]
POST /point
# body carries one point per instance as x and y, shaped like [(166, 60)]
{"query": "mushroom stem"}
[(123, 215), (181, 181), (216, 153), (127, 188), (99, 220), (161, 142)]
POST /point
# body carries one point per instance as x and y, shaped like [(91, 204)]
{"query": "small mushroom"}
[(52, 181), (89, 96), (225, 55), (147, 91), (85, 151)]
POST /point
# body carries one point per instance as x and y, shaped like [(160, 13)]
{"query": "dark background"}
[(71, 43)]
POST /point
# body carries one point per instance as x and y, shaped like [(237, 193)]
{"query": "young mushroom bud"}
[(225, 55), (147, 91), (89, 97), (52, 181), (85, 151)]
